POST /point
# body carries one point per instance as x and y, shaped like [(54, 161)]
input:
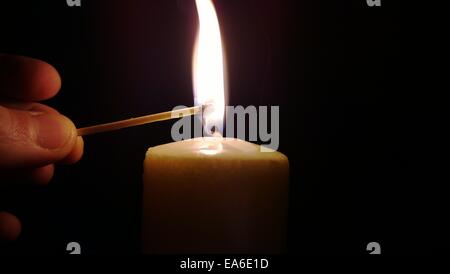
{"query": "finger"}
[(27, 79), (42, 175), (76, 153), (10, 227), (34, 138), (28, 106), (26, 176)]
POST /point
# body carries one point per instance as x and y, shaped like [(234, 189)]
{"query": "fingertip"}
[(42, 80), (42, 175), (55, 132), (33, 139), (46, 80), (27, 176), (76, 153), (10, 227)]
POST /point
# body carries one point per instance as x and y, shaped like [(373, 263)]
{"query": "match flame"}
[(208, 67)]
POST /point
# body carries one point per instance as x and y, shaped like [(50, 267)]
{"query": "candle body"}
[(214, 195)]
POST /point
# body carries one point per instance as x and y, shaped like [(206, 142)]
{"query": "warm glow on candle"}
[(208, 66)]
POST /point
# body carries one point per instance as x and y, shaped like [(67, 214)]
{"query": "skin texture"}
[(33, 136)]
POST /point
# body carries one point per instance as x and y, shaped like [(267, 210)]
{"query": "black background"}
[(356, 123)]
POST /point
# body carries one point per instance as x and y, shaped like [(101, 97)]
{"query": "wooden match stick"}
[(139, 120)]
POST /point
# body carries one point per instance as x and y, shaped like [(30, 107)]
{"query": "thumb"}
[(34, 137)]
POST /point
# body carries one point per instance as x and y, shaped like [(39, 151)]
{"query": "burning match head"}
[(208, 107), (210, 127)]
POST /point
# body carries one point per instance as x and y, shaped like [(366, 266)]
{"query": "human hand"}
[(33, 137)]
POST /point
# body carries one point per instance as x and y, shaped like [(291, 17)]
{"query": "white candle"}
[(214, 195)]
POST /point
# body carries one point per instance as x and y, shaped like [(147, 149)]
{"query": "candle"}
[(213, 194), (218, 195)]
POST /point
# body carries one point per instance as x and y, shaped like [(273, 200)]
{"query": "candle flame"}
[(208, 67)]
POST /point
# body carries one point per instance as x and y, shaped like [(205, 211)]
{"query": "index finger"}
[(27, 79)]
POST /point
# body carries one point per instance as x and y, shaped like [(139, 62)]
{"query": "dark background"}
[(349, 80)]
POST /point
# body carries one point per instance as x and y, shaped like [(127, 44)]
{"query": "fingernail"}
[(53, 131)]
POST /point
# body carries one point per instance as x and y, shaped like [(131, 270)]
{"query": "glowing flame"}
[(208, 67)]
